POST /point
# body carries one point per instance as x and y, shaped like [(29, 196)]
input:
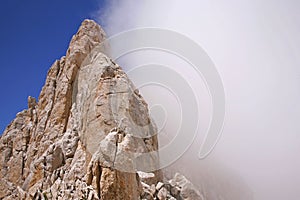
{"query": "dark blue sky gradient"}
[(33, 35)]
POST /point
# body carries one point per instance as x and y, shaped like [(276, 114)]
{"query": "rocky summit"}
[(89, 135)]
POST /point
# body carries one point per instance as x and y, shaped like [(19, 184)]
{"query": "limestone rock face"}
[(89, 135), (77, 142)]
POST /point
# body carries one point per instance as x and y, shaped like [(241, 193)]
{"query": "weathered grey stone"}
[(185, 188), (162, 194), (159, 185)]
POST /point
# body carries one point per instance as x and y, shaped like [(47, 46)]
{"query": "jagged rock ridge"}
[(84, 136)]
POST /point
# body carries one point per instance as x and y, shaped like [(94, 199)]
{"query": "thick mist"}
[(255, 46)]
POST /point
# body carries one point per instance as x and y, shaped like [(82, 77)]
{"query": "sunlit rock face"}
[(89, 135)]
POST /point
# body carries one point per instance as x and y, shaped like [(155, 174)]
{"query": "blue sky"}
[(33, 35)]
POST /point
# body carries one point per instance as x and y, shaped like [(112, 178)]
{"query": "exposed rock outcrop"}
[(89, 136)]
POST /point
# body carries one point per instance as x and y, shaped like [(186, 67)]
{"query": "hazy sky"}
[(255, 46)]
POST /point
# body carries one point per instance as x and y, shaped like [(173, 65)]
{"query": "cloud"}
[(255, 46)]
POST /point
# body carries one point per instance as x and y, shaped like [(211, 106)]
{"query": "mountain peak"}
[(82, 139)]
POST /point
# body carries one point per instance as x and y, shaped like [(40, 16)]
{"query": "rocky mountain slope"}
[(87, 136)]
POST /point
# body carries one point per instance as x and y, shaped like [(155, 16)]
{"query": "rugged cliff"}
[(87, 136)]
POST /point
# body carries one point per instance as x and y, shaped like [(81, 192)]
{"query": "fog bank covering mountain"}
[(255, 47)]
